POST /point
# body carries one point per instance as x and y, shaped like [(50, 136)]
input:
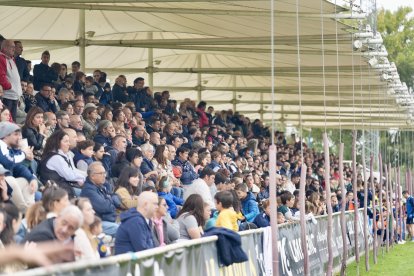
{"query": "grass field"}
[(398, 262)]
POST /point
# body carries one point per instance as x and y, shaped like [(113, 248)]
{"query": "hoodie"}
[(250, 208), (134, 234)]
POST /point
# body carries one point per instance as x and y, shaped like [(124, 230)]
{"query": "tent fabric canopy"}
[(218, 51)]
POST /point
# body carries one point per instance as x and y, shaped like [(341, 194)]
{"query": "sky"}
[(394, 4)]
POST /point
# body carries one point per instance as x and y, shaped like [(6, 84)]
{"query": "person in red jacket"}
[(201, 111)]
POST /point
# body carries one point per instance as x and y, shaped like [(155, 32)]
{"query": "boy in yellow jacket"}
[(227, 217)]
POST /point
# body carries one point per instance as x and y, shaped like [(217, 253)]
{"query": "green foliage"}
[(397, 30)]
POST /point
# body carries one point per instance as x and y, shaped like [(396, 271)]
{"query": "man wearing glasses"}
[(45, 98), (9, 77)]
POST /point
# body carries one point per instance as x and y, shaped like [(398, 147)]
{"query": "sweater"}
[(128, 201), (227, 218), (9, 78), (134, 234)]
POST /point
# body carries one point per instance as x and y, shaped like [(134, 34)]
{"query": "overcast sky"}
[(394, 4)]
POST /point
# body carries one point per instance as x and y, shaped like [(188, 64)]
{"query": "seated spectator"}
[(119, 144), (165, 230), (287, 200), (75, 122), (128, 188), (215, 161), (103, 202), (188, 173), (84, 242), (83, 155), (227, 217), (54, 200), (57, 165), (90, 116), (137, 220), (164, 191), (12, 222), (263, 219), (105, 133), (34, 130), (61, 228), (22, 181), (202, 186), (45, 99), (250, 207), (5, 115), (191, 218), (147, 167)]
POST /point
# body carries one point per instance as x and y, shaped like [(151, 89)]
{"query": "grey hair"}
[(92, 167), (147, 147), (74, 211), (103, 124)]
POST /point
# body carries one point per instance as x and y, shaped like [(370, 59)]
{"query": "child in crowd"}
[(102, 240), (263, 219), (227, 217), (287, 200), (164, 191), (250, 208), (83, 155)]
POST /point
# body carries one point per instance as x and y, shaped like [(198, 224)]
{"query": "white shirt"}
[(199, 186)]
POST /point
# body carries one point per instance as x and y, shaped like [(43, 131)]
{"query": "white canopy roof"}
[(219, 51)]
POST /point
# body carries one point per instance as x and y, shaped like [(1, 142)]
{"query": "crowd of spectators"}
[(119, 168)]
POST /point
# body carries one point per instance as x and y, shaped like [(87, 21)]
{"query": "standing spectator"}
[(119, 90), (46, 99), (42, 73), (9, 77), (103, 202), (201, 111), (21, 62), (410, 213), (137, 220)]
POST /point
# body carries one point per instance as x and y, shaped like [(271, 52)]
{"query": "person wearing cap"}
[(22, 181)]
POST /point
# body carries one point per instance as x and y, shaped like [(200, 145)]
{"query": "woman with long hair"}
[(131, 157), (68, 107), (128, 188), (84, 242), (192, 218), (12, 223), (56, 165), (34, 130), (119, 119), (54, 200), (162, 164)]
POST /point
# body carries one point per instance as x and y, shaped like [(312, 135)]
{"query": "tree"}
[(397, 30)]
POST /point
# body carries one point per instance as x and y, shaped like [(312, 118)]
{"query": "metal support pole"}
[(150, 63), (82, 39), (234, 93), (199, 87), (261, 107)]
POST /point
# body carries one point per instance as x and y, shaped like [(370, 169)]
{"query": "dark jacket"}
[(228, 245), (21, 64), (119, 166), (250, 207), (45, 231), (79, 156), (45, 103), (120, 93), (102, 202), (42, 73), (34, 138), (262, 220), (134, 234), (188, 174), (104, 141)]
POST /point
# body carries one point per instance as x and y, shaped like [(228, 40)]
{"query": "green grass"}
[(398, 261)]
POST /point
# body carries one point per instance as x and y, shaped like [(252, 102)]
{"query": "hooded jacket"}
[(250, 208), (9, 77), (134, 234)]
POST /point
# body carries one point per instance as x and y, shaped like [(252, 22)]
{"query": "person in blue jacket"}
[(250, 208), (105, 133), (263, 219), (135, 232), (104, 204), (164, 188)]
